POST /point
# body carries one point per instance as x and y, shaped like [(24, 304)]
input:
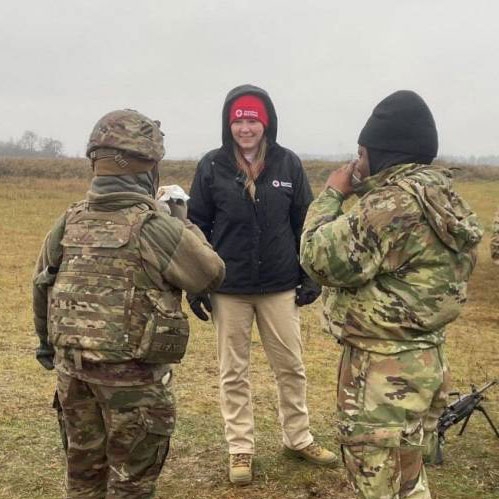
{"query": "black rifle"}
[(461, 409)]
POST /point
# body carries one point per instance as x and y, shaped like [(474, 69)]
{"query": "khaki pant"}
[(278, 321)]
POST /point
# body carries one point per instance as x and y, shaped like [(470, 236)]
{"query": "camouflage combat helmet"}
[(128, 131)]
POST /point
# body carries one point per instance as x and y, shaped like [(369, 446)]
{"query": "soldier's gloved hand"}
[(200, 304), (307, 292), (45, 355)]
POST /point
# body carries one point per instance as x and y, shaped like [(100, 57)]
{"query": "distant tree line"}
[(32, 145), (484, 160)]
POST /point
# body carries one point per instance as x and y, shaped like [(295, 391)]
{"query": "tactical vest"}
[(103, 301)]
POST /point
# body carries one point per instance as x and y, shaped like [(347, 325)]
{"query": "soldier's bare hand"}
[(341, 179)]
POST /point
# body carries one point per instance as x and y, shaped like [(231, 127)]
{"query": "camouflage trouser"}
[(60, 420), (388, 407), (118, 437)]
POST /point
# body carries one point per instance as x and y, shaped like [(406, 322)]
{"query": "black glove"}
[(45, 355), (197, 302), (307, 292)]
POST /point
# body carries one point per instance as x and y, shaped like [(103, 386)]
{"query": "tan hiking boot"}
[(314, 453), (240, 470)]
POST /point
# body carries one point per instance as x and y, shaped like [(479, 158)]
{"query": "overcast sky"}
[(325, 63)]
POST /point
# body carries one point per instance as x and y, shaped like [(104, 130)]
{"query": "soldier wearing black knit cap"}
[(395, 269), (400, 130)]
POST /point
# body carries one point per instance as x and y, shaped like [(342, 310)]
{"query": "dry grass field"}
[(31, 458)]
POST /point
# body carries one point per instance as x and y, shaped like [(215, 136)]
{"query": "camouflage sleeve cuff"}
[(334, 193), (325, 208)]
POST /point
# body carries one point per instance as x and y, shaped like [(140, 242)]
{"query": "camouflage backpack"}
[(103, 301)]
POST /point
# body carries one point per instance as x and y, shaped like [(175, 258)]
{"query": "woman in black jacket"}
[(250, 198)]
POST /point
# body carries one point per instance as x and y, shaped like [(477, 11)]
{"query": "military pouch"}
[(166, 332)]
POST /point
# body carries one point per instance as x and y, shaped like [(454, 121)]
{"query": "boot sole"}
[(243, 481)]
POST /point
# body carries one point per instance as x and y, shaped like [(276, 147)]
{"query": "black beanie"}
[(402, 122)]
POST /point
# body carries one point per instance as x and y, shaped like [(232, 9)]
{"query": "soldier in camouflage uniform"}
[(107, 306), (395, 269), (494, 243)]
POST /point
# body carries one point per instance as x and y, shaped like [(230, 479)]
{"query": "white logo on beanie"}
[(246, 113), (249, 113)]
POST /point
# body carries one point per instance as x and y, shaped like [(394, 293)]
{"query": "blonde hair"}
[(253, 169)]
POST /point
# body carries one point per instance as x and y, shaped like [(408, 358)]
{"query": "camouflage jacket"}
[(494, 243), (396, 265), (173, 256)]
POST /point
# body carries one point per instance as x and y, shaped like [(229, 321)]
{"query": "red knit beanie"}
[(249, 107)]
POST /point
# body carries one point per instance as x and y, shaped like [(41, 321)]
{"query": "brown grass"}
[(30, 455), (182, 171)]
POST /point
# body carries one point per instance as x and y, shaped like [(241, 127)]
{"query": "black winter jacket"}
[(258, 241)]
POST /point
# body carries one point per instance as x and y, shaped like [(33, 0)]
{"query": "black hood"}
[(271, 130), (381, 160)]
